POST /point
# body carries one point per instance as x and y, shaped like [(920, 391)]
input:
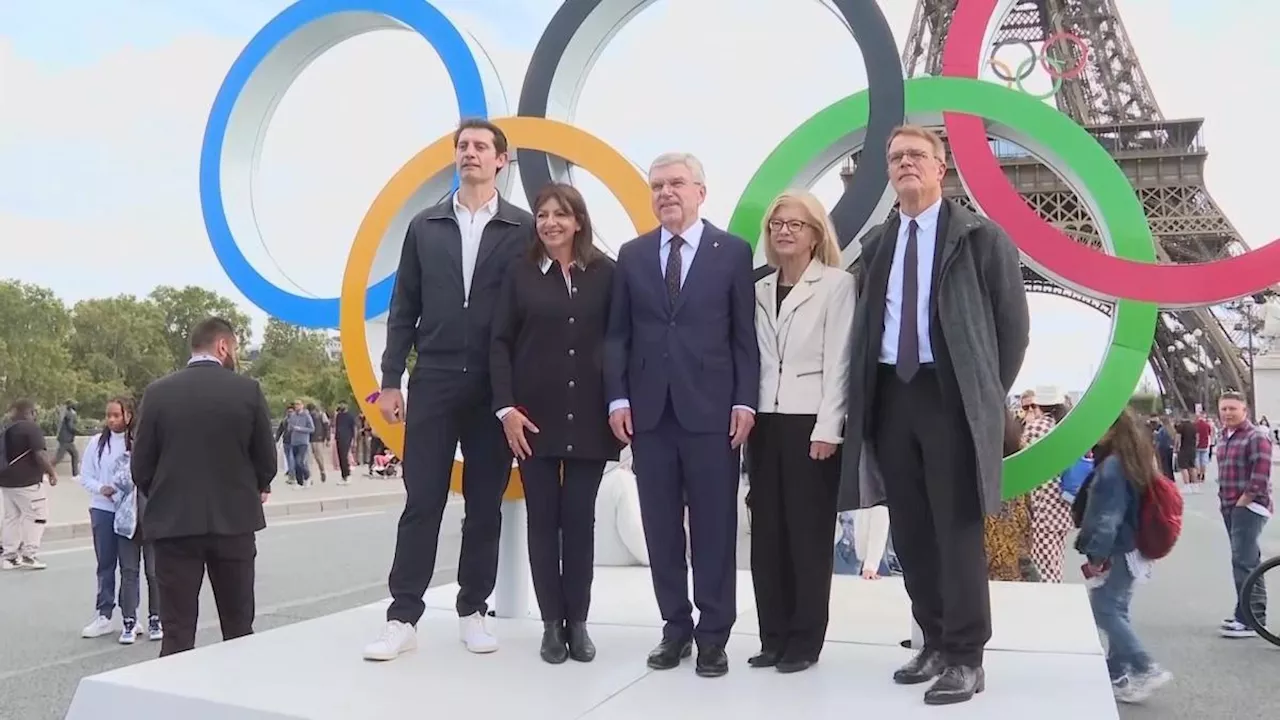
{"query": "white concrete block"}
[(1052, 667)]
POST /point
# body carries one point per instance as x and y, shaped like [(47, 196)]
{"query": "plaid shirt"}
[(1244, 465)]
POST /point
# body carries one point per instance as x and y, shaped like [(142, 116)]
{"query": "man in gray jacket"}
[(301, 427), (938, 341)]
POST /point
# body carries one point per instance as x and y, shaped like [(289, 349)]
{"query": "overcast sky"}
[(104, 106)]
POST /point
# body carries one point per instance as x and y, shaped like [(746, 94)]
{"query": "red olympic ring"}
[(1083, 267), (1070, 39)]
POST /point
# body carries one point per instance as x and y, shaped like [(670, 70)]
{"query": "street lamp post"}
[(1248, 321)]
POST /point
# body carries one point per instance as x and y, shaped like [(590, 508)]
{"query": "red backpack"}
[(1159, 518)]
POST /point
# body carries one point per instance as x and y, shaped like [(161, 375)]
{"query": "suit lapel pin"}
[(715, 243)]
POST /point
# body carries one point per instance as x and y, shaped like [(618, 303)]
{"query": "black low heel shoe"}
[(581, 649), (554, 646)]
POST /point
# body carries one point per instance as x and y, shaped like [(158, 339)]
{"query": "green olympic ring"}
[(1024, 67), (1122, 220)]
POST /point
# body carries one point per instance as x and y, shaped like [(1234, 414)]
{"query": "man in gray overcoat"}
[(938, 339)]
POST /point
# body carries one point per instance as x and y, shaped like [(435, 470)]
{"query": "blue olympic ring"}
[(416, 15)]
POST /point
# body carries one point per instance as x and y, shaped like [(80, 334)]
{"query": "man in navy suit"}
[(682, 372)]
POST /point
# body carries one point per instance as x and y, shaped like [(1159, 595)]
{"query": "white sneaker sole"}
[(94, 636), (481, 648), (380, 655)]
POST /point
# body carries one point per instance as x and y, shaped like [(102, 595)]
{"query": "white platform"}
[(1044, 661)]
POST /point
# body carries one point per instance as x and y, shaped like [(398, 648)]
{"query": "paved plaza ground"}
[(313, 565)]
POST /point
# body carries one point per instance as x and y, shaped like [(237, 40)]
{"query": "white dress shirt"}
[(926, 241), (472, 225)]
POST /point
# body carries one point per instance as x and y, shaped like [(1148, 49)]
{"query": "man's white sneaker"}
[(1236, 630), (396, 638), (10, 564), (472, 631), (96, 629), (30, 562)]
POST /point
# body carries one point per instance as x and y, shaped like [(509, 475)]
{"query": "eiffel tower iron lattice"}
[(1195, 354)]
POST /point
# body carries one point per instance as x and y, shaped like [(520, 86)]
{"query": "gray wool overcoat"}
[(981, 306)]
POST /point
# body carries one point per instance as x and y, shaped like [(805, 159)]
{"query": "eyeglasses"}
[(794, 226), (897, 156)]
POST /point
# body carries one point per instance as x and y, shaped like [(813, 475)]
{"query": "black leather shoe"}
[(669, 653), (788, 666), (959, 683), (712, 661), (925, 666), (554, 649), (764, 659), (581, 649)]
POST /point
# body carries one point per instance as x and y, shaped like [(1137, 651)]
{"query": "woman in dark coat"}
[(546, 365)]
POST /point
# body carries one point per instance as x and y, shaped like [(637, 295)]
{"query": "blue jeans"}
[(301, 470), (118, 552), (1110, 604), (107, 552), (288, 458), (1244, 527)]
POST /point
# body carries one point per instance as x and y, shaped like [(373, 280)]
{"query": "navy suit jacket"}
[(701, 352)]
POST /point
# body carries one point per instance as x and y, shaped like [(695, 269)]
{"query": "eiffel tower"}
[(1194, 356)]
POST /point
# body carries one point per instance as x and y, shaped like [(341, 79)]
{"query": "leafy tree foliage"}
[(105, 347)]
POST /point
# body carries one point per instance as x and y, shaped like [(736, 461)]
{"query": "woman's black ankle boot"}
[(581, 648), (554, 646)]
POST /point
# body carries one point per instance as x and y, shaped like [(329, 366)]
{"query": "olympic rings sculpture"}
[(971, 110), (1057, 69)]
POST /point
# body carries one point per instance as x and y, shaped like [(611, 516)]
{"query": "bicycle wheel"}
[(1246, 591)]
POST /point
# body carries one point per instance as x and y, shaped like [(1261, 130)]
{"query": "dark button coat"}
[(547, 356)]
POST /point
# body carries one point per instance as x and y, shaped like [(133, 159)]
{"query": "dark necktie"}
[(672, 274), (908, 334)]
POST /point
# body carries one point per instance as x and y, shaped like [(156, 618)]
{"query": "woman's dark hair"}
[(1012, 433), (126, 409), (1130, 441), (568, 197)]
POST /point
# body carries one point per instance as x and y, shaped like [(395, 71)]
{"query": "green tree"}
[(183, 308), (35, 328), (119, 346), (294, 364)]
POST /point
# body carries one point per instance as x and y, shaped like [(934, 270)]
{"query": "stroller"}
[(382, 463)]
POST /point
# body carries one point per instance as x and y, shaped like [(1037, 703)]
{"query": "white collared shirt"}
[(472, 225), (545, 266), (692, 236), (926, 242)]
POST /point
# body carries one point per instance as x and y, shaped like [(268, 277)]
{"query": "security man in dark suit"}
[(682, 373), (455, 257), (204, 458)]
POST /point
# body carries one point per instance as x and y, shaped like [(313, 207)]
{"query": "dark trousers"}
[(446, 409), (925, 453), (1244, 529), (344, 456), (560, 496), (673, 467), (793, 518), (114, 552), (181, 564)]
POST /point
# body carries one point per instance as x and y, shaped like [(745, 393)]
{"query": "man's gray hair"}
[(681, 158)]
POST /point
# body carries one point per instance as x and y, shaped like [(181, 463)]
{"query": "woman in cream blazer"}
[(804, 314)]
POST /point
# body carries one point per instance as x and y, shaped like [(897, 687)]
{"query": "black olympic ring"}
[(564, 38), (1025, 68)]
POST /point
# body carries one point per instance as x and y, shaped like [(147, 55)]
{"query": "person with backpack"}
[(67, 421), (24, 465), (1244, 493), (1125, 516)]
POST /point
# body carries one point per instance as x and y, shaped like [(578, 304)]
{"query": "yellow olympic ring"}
[(573, 144), (999, 64)]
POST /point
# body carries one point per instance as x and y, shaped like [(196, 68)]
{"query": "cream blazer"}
[(804, 347)]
